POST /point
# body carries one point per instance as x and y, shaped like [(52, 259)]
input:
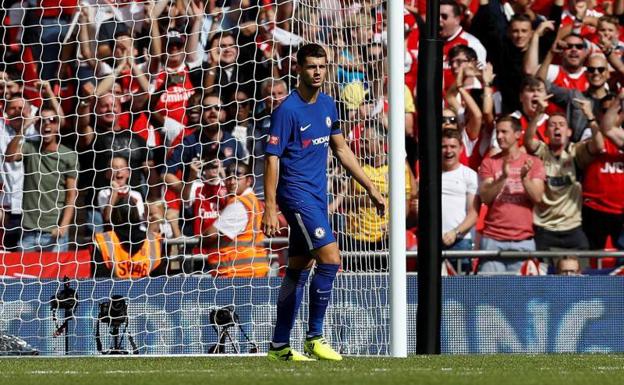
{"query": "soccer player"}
[(302, 129)]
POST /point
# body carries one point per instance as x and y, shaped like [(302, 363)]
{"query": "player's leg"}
[(291, 293), (327, 266), (290, 297), (325, 249), (288, 303)]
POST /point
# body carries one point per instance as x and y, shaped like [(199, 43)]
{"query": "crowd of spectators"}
[(147, 104)]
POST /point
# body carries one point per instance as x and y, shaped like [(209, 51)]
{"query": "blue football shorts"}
[(309, 230)]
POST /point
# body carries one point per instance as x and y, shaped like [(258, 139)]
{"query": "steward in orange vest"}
[(234, 242), (127, 251)]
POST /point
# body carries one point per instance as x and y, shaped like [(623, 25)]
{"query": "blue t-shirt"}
[(229, 150), (299, 136)]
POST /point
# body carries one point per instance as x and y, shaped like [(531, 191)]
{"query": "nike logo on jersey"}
[(323, 291), (305, 127)]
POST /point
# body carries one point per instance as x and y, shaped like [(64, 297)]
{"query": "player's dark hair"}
[(515, 123), (557, 113), (470, 53), (531, 82), (576, 35), (234, 167), (456, 8), (566, 258), (521, 18), (115, 155), (449, 133), (220, 36), (609, 19), (212, 94), (47, 106), (310, 50)]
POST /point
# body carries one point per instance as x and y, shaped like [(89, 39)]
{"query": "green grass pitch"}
[(446, 369)]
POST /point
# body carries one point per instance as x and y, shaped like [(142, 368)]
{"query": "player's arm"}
[(71, 194), (210, 236), (270, 222), (347, 159), (13, 152), (472, 214), (179, 159), (533, 186), (194, 173), (472, 205), (490, 188), (610, 125), (530, 142)]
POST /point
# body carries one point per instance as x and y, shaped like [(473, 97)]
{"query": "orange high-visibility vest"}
[(121, 263), (244, 256)]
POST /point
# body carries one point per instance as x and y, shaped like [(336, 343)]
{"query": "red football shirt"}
[(208, 202), (603, 183), (510, 216), (173, 101)]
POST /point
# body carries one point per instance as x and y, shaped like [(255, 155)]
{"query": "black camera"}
[(65, 299), (222, 319), (114, 312), (223, 316)]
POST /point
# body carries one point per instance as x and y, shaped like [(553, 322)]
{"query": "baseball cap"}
[(353, 95)]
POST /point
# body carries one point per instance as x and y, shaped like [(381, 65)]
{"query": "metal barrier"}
[(450, 254)]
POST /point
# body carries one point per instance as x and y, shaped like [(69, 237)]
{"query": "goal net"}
[(124, 123)]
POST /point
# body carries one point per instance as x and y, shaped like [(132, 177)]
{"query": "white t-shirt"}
[(233, 218), (103, 199), (456, 185), (12, 173)]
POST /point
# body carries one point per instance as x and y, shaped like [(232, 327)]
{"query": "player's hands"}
[(459, 79), (605, 45), (487, 73), (558, 47), (378, 200), (45, 87), (196, 10), (195, 169), (544, 26), (115, 186), (449, 237), (59, 232), (541, 103), (270, 223), (526, 167), (585, 106)]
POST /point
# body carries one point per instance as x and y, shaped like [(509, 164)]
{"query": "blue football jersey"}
[(299, 136)]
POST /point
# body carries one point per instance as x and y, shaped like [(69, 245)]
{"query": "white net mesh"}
[(122, 120)]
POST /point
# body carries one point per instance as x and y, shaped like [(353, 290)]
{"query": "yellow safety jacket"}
[(245, 256), (122, 263)]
